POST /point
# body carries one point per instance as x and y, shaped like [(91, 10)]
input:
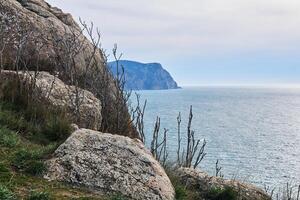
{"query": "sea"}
[(254, 133)]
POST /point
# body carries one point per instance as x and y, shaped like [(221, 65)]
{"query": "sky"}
[(202, 42)]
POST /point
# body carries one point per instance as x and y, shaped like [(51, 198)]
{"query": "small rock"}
[(74, 127), (203, 183)]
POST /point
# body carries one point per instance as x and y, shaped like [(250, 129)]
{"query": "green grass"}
[(29, 160), (182, 192), (226, 193), (40, 125), (29, 134), (35, 195), (21, 167), (6, 194), (8, 138), (38, 122), (118, 197)]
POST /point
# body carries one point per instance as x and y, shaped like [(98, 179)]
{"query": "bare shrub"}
[(79, 61), (195, 151), (218, 170), (159, 148), (137, 115), (191, 156), (20, 44), (122, 97), (289, 192)]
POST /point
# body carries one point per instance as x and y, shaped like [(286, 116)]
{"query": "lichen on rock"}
[(110, 164), (201, 182)]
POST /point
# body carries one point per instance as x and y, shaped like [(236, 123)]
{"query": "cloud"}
[(173, 30), (205, 23)]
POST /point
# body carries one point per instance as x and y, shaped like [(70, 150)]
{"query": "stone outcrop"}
[(110, 164), (38, 37), (46, 29), (81, 106), (204, 184)]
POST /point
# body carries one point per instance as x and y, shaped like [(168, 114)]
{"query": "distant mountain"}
[(140, 76)]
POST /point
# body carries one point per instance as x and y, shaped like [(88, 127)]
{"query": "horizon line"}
[(279, 86)]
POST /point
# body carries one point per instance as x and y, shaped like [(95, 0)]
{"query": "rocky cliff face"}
[(139, 76), (48, 38), (34, 36)]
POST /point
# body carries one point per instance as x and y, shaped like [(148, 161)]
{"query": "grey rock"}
[(50, 89), (109, 164), (46, 26), (200, 181)]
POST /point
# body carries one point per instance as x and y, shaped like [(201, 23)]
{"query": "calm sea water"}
[(255, 133)]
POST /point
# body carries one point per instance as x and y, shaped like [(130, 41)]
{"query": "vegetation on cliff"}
[(37, 37)]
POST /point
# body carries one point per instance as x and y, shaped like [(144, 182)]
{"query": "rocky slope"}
[(45, 27), (38, 37), (140, 76)]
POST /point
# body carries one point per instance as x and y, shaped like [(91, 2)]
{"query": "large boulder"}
[(47, 34), (110, 164), (207, 185), (82, 107)]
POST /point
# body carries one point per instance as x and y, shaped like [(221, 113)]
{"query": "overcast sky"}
[(202, 42)]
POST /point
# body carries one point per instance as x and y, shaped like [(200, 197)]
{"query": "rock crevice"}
[(45, 10)]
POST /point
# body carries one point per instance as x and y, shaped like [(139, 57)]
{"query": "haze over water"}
[(254, 132)]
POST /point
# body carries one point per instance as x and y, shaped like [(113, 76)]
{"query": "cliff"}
[(47, 34), (140, 76)]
